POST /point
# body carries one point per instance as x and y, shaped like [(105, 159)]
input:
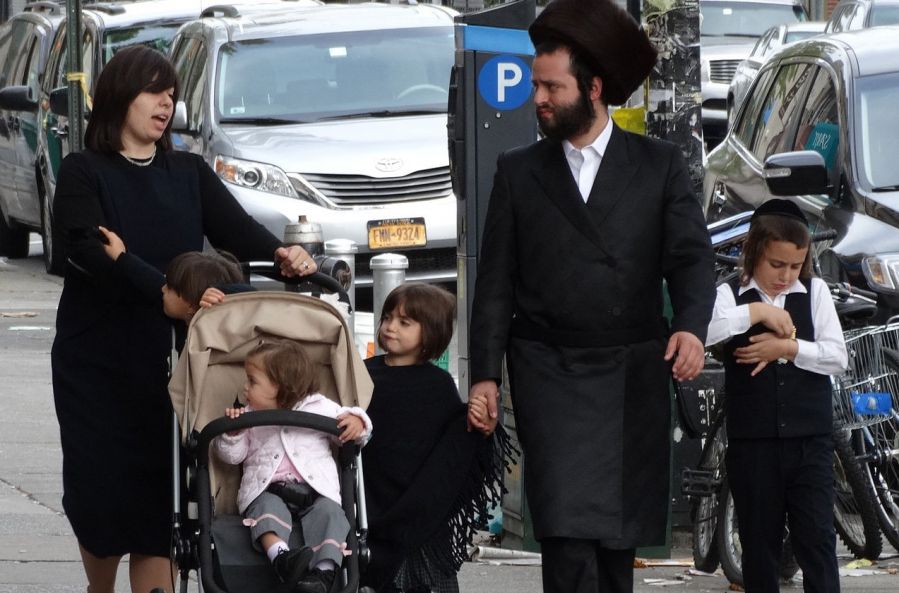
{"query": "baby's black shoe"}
[(291, 565), (317, 581)]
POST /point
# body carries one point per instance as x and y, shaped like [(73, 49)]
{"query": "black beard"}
[(569, 120)]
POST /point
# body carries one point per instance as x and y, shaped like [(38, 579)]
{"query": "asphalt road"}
[(38, 552)]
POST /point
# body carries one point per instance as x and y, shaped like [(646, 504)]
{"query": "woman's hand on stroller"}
[(353, 427), (294, 261), (212, 296), (234, 413)]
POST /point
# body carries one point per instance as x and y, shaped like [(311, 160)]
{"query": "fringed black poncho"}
[(429, 482)]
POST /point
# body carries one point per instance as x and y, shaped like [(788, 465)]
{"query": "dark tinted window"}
[(156, 35), (746, 125), (772, 133), (819, 124)]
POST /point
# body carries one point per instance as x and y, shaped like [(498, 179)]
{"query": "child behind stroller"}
[(209, 374)]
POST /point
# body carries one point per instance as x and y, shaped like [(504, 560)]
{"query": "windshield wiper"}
[(261, 121), (384, 113), (884, 188)]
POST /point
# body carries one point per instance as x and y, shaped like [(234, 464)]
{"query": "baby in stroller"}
[(291, 472)]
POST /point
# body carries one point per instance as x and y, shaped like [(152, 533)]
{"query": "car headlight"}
[(882, 272), (261, 176)]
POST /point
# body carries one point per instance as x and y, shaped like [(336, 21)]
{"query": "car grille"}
[(353, 190), (722, 70), (420, 260)]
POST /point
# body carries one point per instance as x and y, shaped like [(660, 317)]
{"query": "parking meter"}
[(489, 112)]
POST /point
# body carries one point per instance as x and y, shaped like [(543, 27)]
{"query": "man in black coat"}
[(581, 230)]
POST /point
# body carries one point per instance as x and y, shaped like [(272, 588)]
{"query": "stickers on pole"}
[(505, 82)]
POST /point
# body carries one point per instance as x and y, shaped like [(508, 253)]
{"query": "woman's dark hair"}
[(191, 273), (582, 71), (287, 365), (130, 72), (432, 307), (768, 228)]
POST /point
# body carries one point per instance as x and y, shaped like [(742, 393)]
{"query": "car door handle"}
[(61, 130)]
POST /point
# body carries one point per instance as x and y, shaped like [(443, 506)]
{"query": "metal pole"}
[(75, 66), (388, 271), (345, 250)]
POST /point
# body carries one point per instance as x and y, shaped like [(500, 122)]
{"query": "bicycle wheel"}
[(704, 509), (854, 510), (876, 447)]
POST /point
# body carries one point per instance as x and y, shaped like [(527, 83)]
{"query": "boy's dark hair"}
[(431, 306), (579, 68), (130, 72), (771, 227), (288, 366), (189, 274)]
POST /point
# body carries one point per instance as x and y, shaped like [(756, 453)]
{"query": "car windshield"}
[(884, 15), (337, 75), (745, 19), (877, 130), (156, 35)]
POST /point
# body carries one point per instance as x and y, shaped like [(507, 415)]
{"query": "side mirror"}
[(18, 98), (179, 118), (796, 173), (59, 101)]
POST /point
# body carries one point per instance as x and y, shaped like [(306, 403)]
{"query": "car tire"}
[(13, 240), (54, 260)]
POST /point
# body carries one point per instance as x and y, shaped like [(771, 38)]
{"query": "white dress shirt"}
[(584, 162), (826, 355)]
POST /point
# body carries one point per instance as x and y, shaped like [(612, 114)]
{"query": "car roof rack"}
[(220, 10), (43, 6)]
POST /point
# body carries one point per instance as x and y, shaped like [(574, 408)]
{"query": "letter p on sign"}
[(508, 74), (504, 82)]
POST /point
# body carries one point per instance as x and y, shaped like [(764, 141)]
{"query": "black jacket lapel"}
[(615, 173), (554, 177)]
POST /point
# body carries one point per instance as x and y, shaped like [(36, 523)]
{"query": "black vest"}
[(783, 400)]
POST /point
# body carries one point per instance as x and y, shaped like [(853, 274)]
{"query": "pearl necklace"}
[(140, 162)]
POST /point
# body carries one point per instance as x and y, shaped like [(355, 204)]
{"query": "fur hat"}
[(608, 38), (778, 207)]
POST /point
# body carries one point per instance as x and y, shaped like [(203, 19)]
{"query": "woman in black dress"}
[(109, 358)]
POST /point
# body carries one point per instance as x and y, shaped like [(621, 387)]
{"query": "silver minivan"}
[(333, 112)]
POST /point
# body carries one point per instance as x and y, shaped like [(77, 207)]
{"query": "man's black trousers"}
[(583, 566)]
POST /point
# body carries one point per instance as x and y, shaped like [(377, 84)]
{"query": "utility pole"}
[(75, 75)]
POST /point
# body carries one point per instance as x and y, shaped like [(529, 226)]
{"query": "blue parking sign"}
[(505, 82)]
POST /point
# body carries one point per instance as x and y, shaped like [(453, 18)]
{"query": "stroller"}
[(207, 379)]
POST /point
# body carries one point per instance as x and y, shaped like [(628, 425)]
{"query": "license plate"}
[(397, 232)]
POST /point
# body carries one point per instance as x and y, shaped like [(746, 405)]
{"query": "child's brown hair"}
[(432, 307), (773, 227), (189, 274), (287, 365)]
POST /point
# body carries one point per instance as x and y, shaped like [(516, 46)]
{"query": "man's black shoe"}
[(291, 565), (317, 581)]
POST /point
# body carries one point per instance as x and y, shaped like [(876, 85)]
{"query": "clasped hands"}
[(777, 344)]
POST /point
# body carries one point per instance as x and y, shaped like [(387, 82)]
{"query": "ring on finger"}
[(306, 265)]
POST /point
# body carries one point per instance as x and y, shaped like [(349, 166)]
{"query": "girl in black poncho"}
[(429, 481)]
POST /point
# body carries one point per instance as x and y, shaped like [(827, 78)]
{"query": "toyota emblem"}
[(388, 164)]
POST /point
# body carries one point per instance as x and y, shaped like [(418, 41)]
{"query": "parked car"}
[(827, 100), (108, 27), (850, 15), (335, 112), (773, 39), (728, 30), (24, 44)]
